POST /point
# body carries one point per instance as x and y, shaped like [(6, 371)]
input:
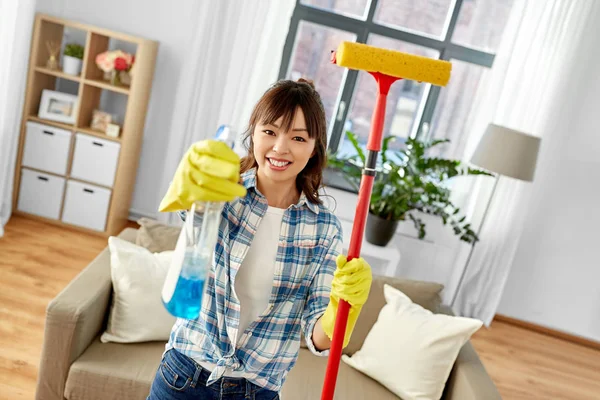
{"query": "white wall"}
[(172, 25), (555, 277)]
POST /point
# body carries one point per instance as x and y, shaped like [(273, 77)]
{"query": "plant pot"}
[(379, 231), (71, 65)]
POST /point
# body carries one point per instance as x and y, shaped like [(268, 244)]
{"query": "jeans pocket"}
[(173, 376)]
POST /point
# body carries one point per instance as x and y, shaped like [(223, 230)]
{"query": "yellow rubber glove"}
[(209, 171), (352, 283)]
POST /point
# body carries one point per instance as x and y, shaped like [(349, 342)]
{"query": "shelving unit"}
[(122, 153)]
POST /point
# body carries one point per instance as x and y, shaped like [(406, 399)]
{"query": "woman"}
[(278, 269)]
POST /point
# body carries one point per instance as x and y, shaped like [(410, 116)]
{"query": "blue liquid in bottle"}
[(187, 298), (184, 284)]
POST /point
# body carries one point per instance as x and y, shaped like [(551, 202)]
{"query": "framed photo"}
[(58, 106)]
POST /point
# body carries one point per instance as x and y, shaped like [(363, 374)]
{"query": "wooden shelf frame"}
[(58, 74), (107, 86), (91, 85)]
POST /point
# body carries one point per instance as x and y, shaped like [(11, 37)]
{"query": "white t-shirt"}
[(254, 279)]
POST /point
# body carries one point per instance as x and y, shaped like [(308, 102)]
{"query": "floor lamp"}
[(505, 152)]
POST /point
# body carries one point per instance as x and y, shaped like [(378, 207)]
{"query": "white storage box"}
[(40, 194), (95, 160), (86, 205), (46, 148)]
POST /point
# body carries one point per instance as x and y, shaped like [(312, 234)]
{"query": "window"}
[(465, 32), (311, 59)]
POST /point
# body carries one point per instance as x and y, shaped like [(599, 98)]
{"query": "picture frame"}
[(58, 106)]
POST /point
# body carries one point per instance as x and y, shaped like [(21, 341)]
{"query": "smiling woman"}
[(287, 141), (277, 268)]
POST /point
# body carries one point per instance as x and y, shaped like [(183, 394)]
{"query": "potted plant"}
[(407, 182), (72, 59)]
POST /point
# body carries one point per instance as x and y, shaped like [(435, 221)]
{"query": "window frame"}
[(362, 28)]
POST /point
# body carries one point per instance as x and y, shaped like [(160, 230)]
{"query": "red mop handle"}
[(360, 218)]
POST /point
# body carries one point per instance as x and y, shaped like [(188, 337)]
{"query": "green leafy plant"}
[(409, 182), (74, 50)]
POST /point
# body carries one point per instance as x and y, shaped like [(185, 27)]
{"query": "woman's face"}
[(280, 155)]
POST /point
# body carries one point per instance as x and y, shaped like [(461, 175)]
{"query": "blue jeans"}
[(181, 378)]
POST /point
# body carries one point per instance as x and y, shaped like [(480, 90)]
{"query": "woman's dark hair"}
[(282, 99)]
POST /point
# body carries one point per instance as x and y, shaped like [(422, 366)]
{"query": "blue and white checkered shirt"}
[(309, 242)]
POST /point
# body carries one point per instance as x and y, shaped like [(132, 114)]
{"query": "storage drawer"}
[(95, 160), (40, 194), (86, 205), (46, 148)]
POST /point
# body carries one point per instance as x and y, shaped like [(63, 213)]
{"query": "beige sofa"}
[(76, 365)]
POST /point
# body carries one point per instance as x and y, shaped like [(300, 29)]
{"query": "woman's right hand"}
[(209, 171)]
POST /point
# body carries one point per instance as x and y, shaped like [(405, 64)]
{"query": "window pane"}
[(481, 23), (453, 110), (351, 8), (426, 16), (403, 100), (311, 60)]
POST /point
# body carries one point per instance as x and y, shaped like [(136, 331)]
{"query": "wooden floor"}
[(37, 260)]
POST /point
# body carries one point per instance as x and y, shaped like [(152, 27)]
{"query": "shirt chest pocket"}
[(305, 249), (307, 255), (295, 267)]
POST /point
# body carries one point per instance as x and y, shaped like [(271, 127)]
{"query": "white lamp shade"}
[(507, 152)]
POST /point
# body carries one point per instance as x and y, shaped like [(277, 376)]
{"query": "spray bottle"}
[(193, 256)]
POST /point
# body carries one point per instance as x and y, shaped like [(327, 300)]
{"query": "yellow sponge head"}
[(395, 63)]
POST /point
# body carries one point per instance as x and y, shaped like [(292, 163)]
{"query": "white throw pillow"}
[(137, 313), (410, 350)]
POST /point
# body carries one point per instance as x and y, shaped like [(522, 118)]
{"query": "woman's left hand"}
[(351, 283)]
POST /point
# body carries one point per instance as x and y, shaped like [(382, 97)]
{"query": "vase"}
[(115, 78), (379, 231), (52, 63)]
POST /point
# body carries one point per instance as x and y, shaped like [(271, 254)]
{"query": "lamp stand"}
[(463, 273)]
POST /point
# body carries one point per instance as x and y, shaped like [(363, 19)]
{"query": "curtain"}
[(527, 91), (230, 65), (16, 22)]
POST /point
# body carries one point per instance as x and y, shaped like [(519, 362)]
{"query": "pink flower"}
[(104, 62), (107, 61)]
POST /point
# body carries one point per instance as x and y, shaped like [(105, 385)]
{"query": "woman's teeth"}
[(278, 163)]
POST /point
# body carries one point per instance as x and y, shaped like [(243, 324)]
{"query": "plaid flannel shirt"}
[(309, 241)]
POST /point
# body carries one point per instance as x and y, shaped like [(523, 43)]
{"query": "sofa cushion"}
[(305, 381), (114, 371), (425, 294), (136, 312), (129, 234), (156, 236), (410, 350)]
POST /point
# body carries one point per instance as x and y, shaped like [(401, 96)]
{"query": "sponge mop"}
[(394, 63), (386, 66)]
